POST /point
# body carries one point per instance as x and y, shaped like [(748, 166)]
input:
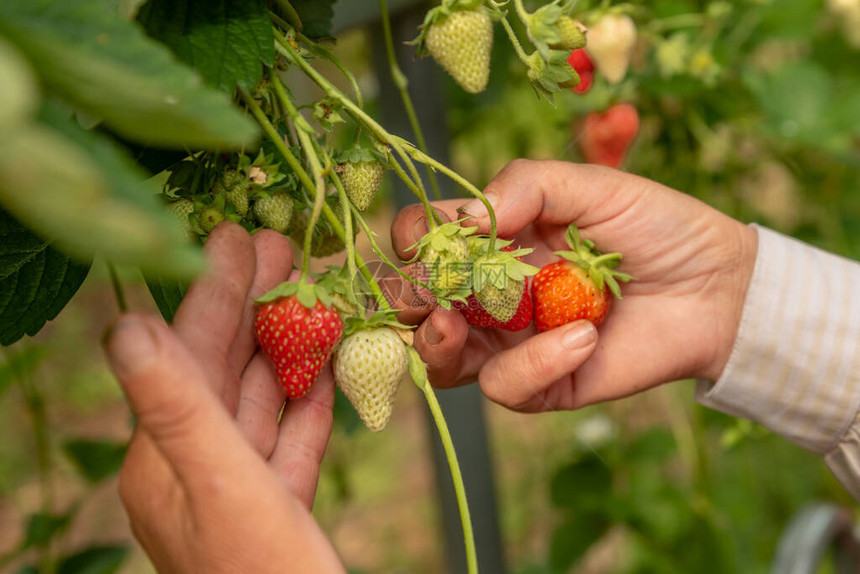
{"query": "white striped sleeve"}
[(795, 365)]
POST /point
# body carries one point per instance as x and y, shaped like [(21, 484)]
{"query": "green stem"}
[(465, 183), (414, 182), (349, 236), (518, 48), (118, 291), (402, 84), (318, 50), (316, 169), (521, 11), (306, 181), (456, 475)]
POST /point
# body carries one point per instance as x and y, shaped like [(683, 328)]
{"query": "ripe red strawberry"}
[(581, 62), (477, 316), (578, 287), (606, 137), (298, 338)]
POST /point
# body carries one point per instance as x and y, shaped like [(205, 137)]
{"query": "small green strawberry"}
[(459, 36), (360, 172), (499, 278), (182, 209), (444, 252), (274, 211), (572, 34), (368, 367), (209, 217), (235, 187)]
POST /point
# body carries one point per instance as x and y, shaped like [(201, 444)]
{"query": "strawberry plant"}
[(132, 129)]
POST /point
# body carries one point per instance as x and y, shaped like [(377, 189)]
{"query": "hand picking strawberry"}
[(677, 319)]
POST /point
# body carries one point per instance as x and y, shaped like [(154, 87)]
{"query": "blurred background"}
[(753, 107)]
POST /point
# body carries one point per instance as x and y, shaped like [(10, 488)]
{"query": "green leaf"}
[(572, 539), (76, 189), (316, 16), (585, 483), (21, 363), (94, 560), (36, 280), (227, 41), (95, 459), (652, 446), (110, 69), (42, 527), (167, 294)]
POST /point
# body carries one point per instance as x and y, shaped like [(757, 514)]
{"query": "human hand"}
[(678, 319), (212, 481)]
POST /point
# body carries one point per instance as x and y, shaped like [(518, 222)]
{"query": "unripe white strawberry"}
[(610, 44), (275, 211), (368, 367), (461, 42)]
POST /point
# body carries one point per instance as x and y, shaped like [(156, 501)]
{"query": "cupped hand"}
[(216, 479), (678, 318)]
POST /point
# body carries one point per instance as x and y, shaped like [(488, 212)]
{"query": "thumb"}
[(516, 377), (168, 392)]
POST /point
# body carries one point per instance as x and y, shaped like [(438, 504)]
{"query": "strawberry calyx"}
[(600, 268), (444, 252), (386, 318), (500, 266), (347, 296), (308, 294), (550, 27), (359, 154)]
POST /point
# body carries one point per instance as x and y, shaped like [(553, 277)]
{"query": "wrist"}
[(728, 304)]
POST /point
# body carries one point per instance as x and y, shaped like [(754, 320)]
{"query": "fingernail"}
[(419, 228), (130, 346), (579, 335), (431, 334), (476, 207)]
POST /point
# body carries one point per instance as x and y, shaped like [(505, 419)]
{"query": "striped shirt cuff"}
[(795, 365)]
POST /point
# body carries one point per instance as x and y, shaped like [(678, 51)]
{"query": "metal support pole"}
[(463, 407)]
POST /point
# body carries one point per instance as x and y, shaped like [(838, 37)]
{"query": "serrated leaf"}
[(95, 459), (76, 189), (42, 527), (167, 294), (109, 68), (227, 41), (36, 280), (316, 16), (94, 560)]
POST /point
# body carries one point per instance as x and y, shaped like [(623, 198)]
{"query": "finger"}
[(174, 405), (410, 225), (303, 437), (413, 301), (554, 192), (274, 260), (208, 318), (145, 480), (440, 341), (520, 377), (260, 404)]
